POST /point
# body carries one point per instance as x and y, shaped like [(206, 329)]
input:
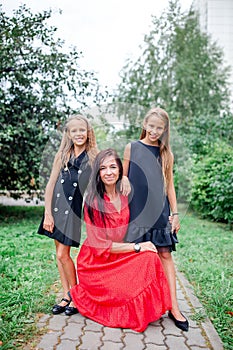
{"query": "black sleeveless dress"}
[(148, 203), (68, 200)]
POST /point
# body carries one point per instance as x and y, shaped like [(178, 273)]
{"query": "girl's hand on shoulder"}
[(48, 223), (148, 246), (125, 187)]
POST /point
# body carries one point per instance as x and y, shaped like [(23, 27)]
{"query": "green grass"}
[(28, 270), (204, 255)]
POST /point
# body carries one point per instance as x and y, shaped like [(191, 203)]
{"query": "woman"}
[(120, 284)]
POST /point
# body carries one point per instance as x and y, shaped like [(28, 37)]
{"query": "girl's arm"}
[(171, 193), (125, 184), (48, 224)]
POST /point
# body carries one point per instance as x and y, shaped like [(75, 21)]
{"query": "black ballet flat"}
[(183, 325), (58, 309), (70, 310)]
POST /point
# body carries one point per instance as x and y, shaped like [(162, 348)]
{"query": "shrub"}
[(212, 193)]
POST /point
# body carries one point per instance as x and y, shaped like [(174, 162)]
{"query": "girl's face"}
[(155, 128), (78, 132), (109, 171)]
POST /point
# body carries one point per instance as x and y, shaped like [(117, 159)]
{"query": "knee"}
[(165, 256), (62, 257)]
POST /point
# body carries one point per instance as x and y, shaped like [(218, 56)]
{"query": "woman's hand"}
[(145, 246), (48, 223), (125, 187)]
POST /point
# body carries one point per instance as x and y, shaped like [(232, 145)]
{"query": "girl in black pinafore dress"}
[(64, 198), (148, 163)]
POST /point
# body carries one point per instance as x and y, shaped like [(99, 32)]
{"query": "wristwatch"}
[(137, 247)]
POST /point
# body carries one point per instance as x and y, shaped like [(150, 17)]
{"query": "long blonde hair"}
[(66, 145), (164, 142)]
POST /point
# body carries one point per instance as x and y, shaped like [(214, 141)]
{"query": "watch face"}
[(137, 247)]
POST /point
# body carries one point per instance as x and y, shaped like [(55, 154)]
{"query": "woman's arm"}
[(48, 224), (118, 248)]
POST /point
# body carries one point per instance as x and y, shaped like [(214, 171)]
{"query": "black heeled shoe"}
[(70, 310), (183, 325), (58, 309)]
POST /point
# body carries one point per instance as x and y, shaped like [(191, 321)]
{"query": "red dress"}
[(126, 290)]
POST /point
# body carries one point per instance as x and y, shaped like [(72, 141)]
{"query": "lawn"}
[(28, 270), (204, 255), (29, 275)]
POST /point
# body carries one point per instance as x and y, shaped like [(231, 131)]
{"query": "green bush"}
[(212, 194)]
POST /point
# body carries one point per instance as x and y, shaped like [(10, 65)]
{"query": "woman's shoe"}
[(183, 325), (58, 309), (70, 310)]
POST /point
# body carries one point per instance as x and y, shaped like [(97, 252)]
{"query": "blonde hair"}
[(164, 142), (67, 146)]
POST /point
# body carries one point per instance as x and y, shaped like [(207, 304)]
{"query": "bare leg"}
[(169, 269), (66, 269)]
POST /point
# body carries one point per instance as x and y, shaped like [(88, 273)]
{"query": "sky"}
[(108, 32)]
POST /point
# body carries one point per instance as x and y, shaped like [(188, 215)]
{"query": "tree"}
[(39, 84), (181, 70)]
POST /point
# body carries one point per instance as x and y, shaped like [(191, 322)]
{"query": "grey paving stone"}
[(112, 334), (134, 341), (93, 326), (192, 323), (212, 335), (73, 331), (68, 345), (48, 341), (91, 341), (180, 294), (108, 345), (156, 347), (128, 330), (44, 318), (57, 322), (184, 307), (195, 337), (169, 327), (198, 348), (154, 335), (174, 342), (41, 325), (156, 323), (77, 318)]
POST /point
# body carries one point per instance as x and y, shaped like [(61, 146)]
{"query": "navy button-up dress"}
[(67, 201)]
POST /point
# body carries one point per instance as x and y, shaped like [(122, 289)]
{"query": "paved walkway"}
[(79, 333)]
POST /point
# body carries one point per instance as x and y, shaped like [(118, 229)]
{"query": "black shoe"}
[(70, 310), (58, 309), (183, 325)]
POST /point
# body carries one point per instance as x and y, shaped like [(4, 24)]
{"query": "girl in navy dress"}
[(64, 198), (148, 163)]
